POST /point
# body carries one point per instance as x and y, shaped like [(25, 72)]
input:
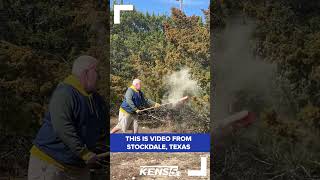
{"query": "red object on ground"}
[(231, 124), (238, 120), (245, 121)]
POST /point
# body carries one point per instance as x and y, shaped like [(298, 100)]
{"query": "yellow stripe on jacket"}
[(46, 158)]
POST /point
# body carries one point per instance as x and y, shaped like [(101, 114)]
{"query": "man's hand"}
[(138, 111), (91, 159), (157, 105), (94, 162)]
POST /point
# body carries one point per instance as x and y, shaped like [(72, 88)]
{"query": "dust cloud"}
[(180, 84), (236, 68)]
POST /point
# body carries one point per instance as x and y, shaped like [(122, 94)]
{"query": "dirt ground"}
[(126, 166)]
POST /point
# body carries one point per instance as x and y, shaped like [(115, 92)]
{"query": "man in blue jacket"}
[(65, 145), (133, 102)]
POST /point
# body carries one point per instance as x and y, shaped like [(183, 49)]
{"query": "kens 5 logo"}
[(173, 170), (159, 171)]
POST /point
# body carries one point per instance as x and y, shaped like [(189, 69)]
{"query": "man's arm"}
[(61, 110), (101, 145), (148, 102), (128, 97)]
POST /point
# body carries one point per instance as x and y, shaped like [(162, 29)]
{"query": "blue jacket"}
[(73, 125), (135, 100)]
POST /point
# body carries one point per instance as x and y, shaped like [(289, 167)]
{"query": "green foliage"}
[(151, 47), (217, 15), (188, 46), (281, 145), (310, 115), (136, 46), (287, 34), (26, 83), (40, 42)]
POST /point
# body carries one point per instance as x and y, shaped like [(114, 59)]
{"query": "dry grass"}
[(265, 156)]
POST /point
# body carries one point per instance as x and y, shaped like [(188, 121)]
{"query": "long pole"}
[(146, 109), (105, 154)]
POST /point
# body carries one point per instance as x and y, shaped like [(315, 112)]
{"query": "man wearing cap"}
[(132, 104), (65, 145)]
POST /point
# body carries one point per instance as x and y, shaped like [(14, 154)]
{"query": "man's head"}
[(85, 68), (137, 84)]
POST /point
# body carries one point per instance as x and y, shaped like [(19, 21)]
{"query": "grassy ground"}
[(262, 155)]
